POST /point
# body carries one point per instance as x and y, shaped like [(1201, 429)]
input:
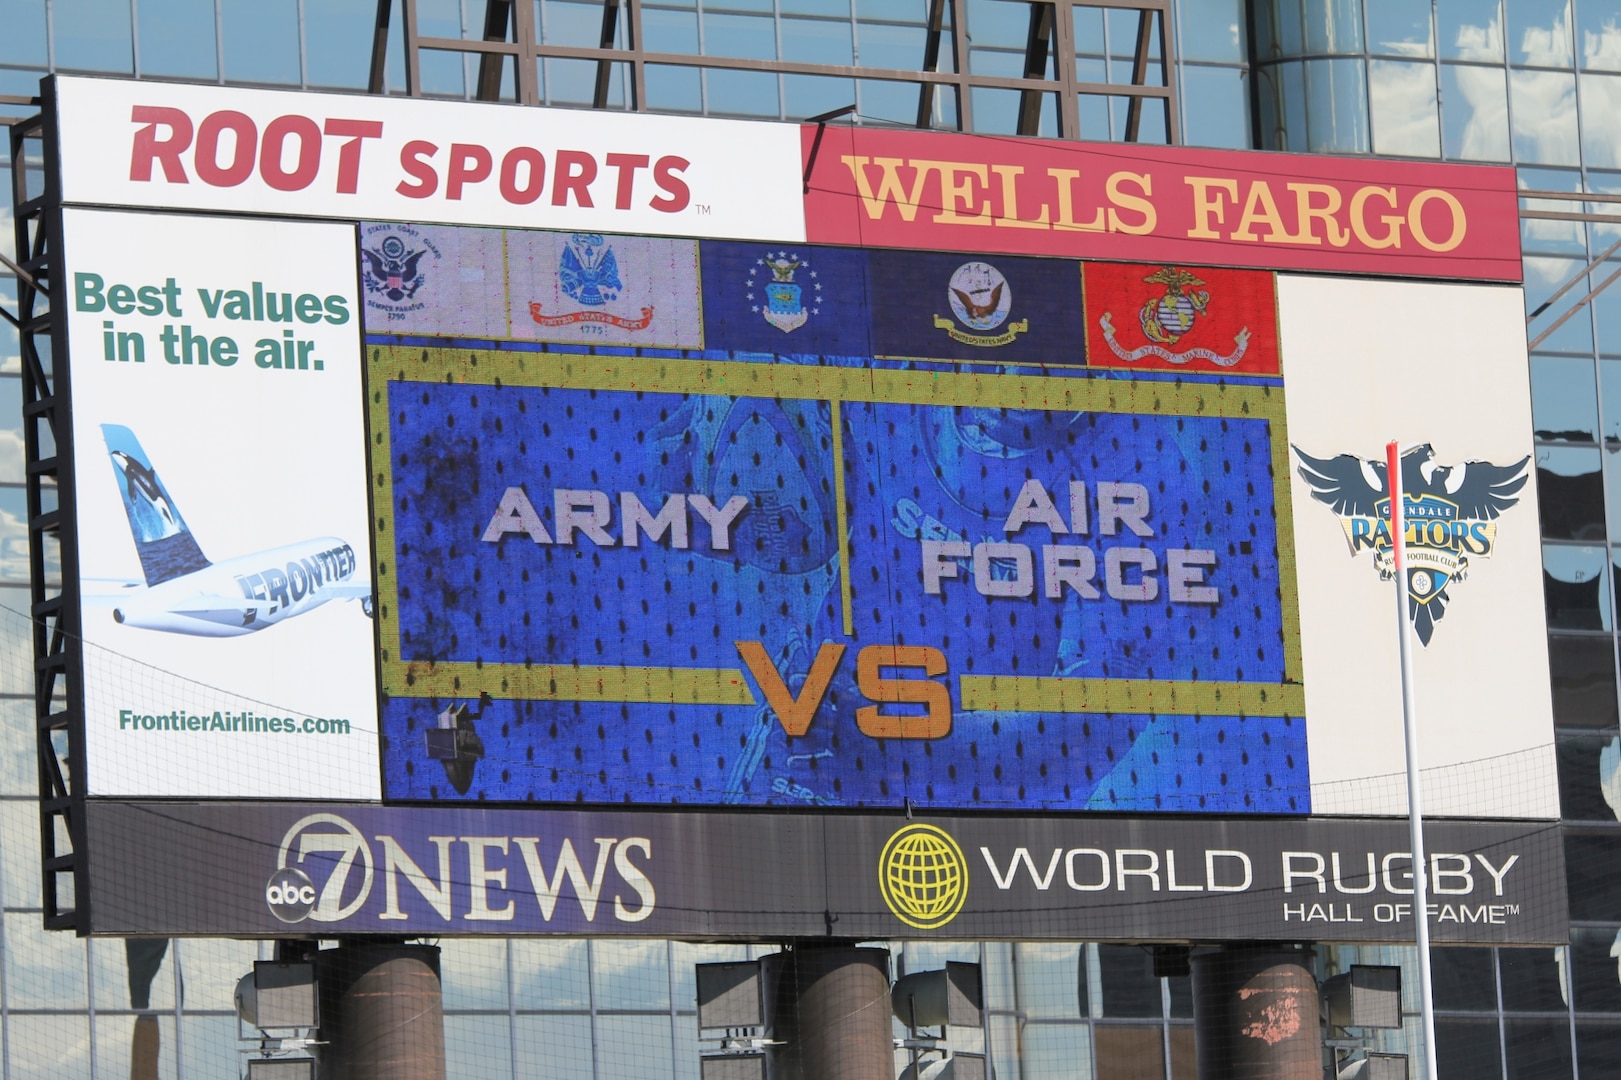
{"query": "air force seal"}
[(1450, 512), (785, 301)]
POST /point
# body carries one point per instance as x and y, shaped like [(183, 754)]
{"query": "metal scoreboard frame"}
[(516, 222)]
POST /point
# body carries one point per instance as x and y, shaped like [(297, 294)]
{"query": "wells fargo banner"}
[(1163, 204), (229, 149)]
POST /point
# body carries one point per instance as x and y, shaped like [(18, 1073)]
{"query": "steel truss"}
[(54, 608), (509, 31)]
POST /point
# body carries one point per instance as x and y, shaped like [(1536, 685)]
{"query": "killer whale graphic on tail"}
[(187, 593)]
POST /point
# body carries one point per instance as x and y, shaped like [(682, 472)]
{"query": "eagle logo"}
[(393, 269), (588, 271), (1450, 513), (981, 299)]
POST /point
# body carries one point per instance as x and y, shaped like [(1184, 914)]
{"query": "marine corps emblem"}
[(1450, 514), (784, 298), (1166, 318)]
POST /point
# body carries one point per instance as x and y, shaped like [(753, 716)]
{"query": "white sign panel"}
[(272, 152), (1442, 369), (220, 476)]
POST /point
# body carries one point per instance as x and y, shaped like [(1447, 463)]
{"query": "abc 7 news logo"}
[(290, 894)]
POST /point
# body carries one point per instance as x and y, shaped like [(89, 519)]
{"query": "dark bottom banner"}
[(265, 869)]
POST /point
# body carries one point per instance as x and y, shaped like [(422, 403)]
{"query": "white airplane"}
[(185, 593)]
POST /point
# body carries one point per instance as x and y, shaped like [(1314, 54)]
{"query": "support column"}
[(1255, 1014), (382, 1012), (831, 1008)]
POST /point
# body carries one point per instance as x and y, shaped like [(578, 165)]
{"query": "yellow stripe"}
[(1026, 693), (907, 387), (842, 519), (564, 682)]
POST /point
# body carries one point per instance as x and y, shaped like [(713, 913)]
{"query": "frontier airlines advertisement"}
[(226, 592)]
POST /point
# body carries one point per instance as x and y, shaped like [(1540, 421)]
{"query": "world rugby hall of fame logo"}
[(397, 263), (923, 876), (980, 298), (777, 297), (1450, 513), (1169, 314)]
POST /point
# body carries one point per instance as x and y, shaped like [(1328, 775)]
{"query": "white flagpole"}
[(1415, 811)]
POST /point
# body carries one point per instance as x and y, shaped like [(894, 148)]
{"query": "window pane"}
[(1543, 277), (817, 41), (1544, 117), (1531, 980), (634, 1046), (473, 972), (1215, 107), (554, 1047), (741, 93), (1601, 121), (674, 89), (177, 38), (1590, 871), (549, 973), (1063, 1052), (478, 1047), (1470, 29), (1575, 587), (47, 1047), (566, 22), (261, 40), (24, 39), (670, 31), (1537, 1049), (631, 974), (1609, 373), (1598, 34), (1211, 30), (1570, 492), (337, 42), (1129, 986), (1583, 681), (1598, 1048), (1336, 103), (1464, 979), (1048, 980), (750, 37), (1585, 763), (1553, 236), (43, 967), (1332, 26), (1399, 28), (1539, 32), (1277, 28), (1402, 96), (1598, 984), (1563, 402), (1135, 1051), (1467, 1049), (811, 95), (92, 35), (1474, 112)]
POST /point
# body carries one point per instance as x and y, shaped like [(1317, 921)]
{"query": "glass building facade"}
[(1531, 83)]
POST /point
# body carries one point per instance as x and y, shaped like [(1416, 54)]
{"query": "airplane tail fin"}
[(162, 539)]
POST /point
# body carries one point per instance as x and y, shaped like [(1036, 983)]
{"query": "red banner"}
[(1165, 204), (1171, 318)]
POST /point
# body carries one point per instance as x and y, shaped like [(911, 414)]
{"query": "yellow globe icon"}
[(923, 876)]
